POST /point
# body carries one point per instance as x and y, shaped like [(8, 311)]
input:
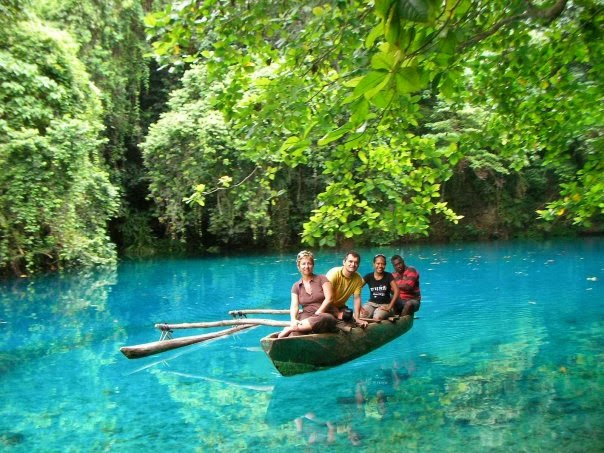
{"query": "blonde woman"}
[(311, 291)]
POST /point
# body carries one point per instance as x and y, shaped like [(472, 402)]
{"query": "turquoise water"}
[(507, 355)]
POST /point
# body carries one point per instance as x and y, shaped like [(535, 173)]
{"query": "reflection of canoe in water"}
[(304, 353)]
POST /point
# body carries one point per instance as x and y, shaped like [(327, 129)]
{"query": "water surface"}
[(506, 355)]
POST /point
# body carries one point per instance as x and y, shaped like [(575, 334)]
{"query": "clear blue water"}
[(507, 355)]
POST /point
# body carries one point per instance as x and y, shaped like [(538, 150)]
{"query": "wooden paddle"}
[(155, 347), (224, 322)]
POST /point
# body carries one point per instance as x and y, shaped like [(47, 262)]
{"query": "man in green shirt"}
[(346, 281)]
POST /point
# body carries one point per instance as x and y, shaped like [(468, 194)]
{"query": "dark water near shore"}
[(507, 355)]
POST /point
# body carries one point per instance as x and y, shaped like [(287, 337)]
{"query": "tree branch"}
[(216, 189), (532, 12), (545, 13)]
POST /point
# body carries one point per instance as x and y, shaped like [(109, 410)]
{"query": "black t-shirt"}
[(379, 290)]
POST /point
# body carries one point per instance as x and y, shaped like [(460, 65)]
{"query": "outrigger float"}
[(290, 355)]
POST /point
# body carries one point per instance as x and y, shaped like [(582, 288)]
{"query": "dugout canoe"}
[(304, 353)]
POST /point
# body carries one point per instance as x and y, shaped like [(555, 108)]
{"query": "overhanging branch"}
[(532, 12)]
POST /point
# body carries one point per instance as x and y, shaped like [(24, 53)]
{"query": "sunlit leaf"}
[(382, 60), (334, 135), (374, 34), (408, 80)]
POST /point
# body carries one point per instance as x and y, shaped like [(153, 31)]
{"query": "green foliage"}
[(348, 82), (263, 89), (582, 198), (546, 96), (112, 46), (362, 120), (55, 195), (12, 9), (111, 43), (192, 143)]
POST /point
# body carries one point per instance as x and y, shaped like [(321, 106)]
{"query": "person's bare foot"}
[(285, 332)]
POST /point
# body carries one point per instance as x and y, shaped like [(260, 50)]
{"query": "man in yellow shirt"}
[(346, 281)]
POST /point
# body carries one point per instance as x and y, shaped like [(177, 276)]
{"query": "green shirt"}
[(344, 287)]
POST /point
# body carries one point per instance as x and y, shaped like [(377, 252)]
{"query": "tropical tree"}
[(191, 143), (112, 46), (55, 194), (343, 87)]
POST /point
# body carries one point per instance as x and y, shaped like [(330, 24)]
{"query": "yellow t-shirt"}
[(343, 287)]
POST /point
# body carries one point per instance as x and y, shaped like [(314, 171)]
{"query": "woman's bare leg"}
[(301, 326)]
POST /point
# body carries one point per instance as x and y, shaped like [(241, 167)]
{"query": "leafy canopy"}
[(343, 87)]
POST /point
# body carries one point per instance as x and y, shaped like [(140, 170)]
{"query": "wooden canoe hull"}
[(304, 353)]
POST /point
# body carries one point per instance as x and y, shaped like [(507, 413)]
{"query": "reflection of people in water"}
[(371, 394), (319, 419), (337, 415), (314, 429)]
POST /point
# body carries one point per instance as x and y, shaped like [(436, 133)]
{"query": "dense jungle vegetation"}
[(149, 126)]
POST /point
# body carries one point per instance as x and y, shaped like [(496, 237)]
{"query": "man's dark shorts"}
[(400, 304)]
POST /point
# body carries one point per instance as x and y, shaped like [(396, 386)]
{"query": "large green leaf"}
[(383, 61), (408, 80), (415, 10)]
